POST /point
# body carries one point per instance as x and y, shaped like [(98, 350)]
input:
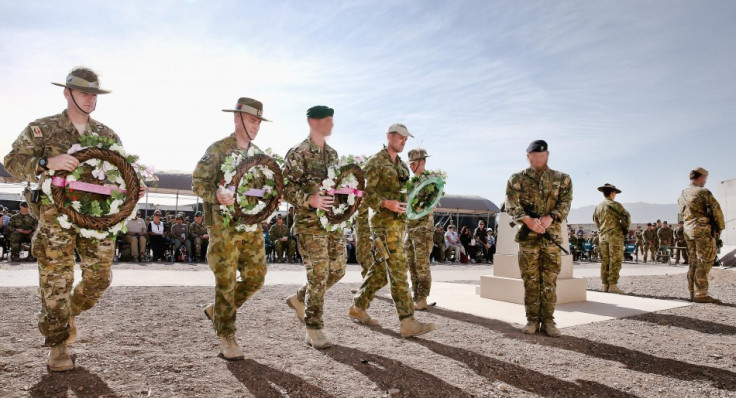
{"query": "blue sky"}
[(634, 93)]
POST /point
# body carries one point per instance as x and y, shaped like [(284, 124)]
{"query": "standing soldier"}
[(21, 227), (539, 198), (680, 244), (611, 219), (385, 175), (703, 223), (650, 239), (419, 241), (279, 236), (323, 253), (657, 227), (639, 241), (666, 237), (198, 235), (41, 147), (230, 251), (439, 242)]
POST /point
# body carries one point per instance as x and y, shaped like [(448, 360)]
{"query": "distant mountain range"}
[(640, 213)]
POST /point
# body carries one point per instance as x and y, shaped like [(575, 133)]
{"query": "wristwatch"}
[(44, 163)]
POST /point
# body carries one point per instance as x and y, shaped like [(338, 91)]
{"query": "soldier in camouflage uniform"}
[(611, 219), (639, 236), (40, 147), (198, 235), (323, 253), (180, 236), (657, 227), (650, 237), (230, 251), (362, 239), (21, 227), (280, 237), (680, 243), (385, 175), (666, 237), (703, 223), (438, 238), (539, 198), (419, 242)]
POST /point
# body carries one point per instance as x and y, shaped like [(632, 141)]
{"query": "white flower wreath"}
[(229, 168), (103, 171), (349, 182)]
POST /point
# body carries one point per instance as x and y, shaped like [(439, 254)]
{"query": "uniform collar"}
[(314, 148), (385, 153), (531, 172)]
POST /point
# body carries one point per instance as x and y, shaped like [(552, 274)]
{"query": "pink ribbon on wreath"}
[(84, 186), (258, 193), (345, 191)]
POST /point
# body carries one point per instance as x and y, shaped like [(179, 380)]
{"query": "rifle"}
[(621, 221), (524, 233), (715, 231)]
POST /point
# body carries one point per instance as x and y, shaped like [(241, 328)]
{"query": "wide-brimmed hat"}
[(249, 106), (77, 83), (417, 154), (608, 187), (701, 170)]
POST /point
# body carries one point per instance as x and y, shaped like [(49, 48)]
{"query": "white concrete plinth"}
[(512, 289), (506, 285)]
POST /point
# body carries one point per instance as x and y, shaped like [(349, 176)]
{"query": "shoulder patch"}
[(37, 133), (205, 158)]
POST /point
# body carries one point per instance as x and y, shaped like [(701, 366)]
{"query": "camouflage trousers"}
[(54, 248), (650, 250), (389, 265), (16, 238), (324, 258), (363, 244), (230, 253), (418, 248), (681, 248), (540, 263), (197, 244), (612, 255), (639, 249), (288, 247), (702, 250)]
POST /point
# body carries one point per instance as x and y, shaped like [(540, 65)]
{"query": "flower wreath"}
[(93, 218), (252, 204), (424, 193), (345, 178)]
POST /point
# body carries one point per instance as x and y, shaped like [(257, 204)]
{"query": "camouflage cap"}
[(608, 187), (701, 170), (24, 204), (417, 154), (401, 129), (249, 106), (77, 83)]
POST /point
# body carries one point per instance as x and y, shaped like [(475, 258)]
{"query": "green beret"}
[(320, 112)]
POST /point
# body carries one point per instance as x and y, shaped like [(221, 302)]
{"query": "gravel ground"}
[(147, 341)]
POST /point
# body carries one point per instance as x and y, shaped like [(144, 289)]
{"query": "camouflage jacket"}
[(665, 236), (609, 223), (20, 221), (438, 238), (277, 232), (177, 230), (50, 136), (208, 176), (694, 203), (639, 235), (384, 180), (650, 236), (679, 233), (548, 193), (196, 229), (305, 166)]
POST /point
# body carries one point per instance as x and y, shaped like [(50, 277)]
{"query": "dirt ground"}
[(145, 341)]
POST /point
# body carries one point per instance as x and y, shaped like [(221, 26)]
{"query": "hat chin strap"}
[(246, 130), (71, 94)]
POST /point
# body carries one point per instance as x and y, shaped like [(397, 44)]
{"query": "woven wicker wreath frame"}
[(411, 214), (345, 171), (132, 184), (243, 167)]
